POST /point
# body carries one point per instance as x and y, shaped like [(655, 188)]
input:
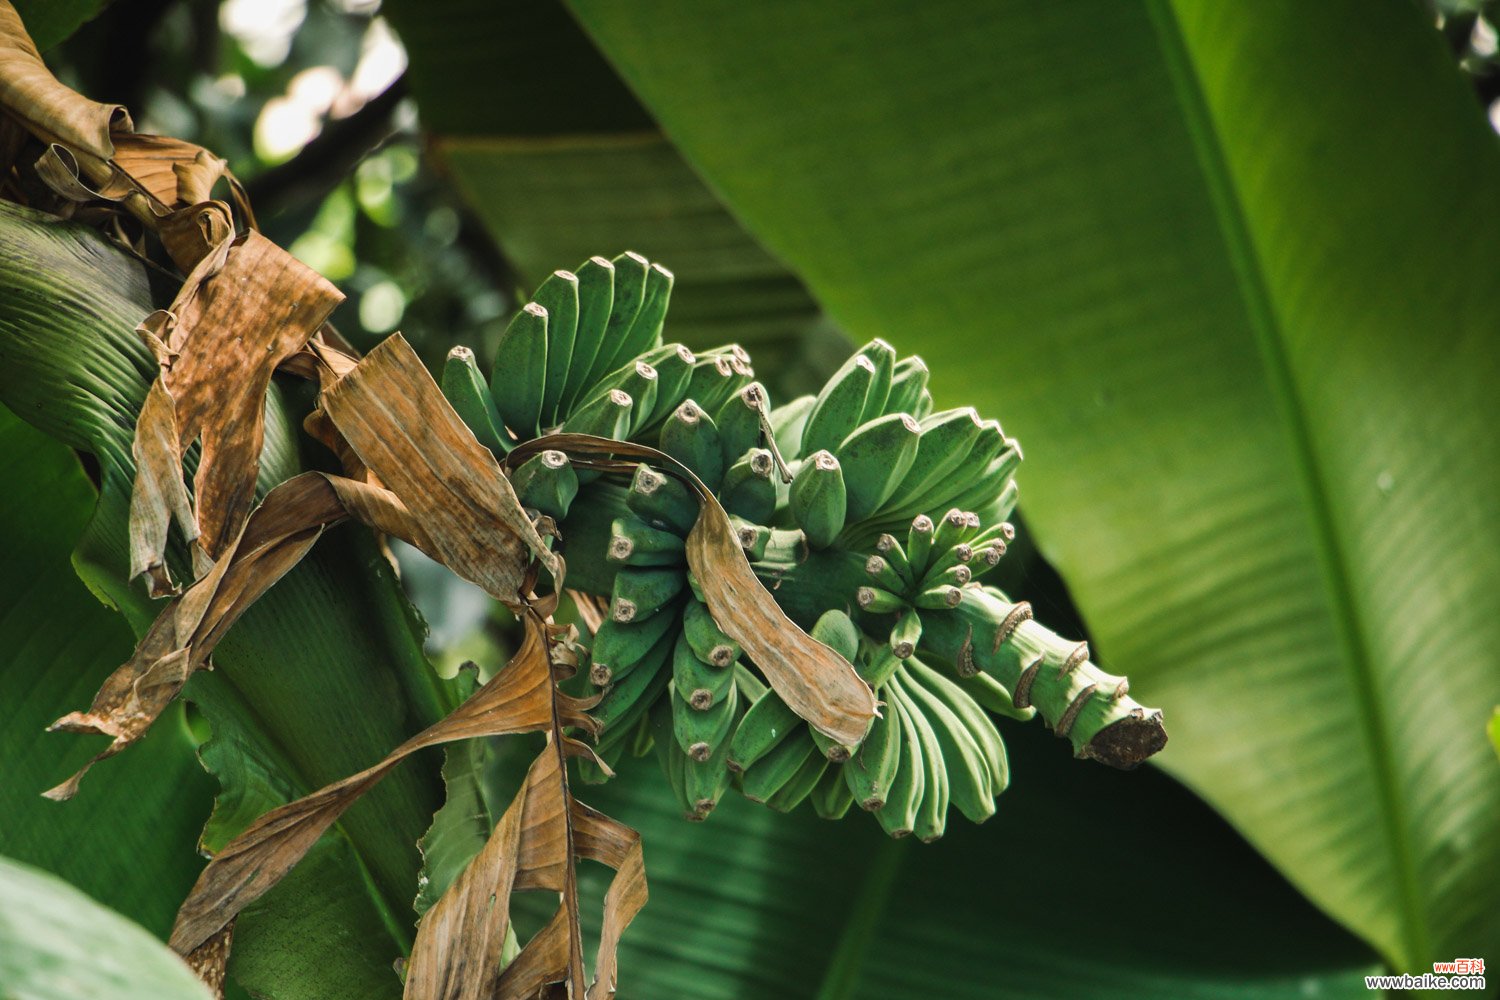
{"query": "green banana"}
[(753, 538), (891, 551), (952, 528), (633, 542), (875, 458), (519, 379), (837, 631), (801, 784), (739, 422), (596, 295), (767, 723), (674, 365), (877, 601), (607, 415), (747, 489), (708, 641), (700, 684), (546, 482), (906, 634), (969, 780), (778, 766), (831, 798), (706, 781), (662, 501), (883, 357), (627, 700), (946, 440), (645, 331), (941, 596), (839, 406), (950, 490), (871, 771), (979, 727), (752, 688), (558, 294), (690, 436), (619, 647), (638, 380), (717, 376), (673, 761), (615, 348), (787, 422), (909, 388), (932, 814), (638, 593), (903, 796), (818, 499), (699, 732), (919, 544), (467, 393), (882, 575)]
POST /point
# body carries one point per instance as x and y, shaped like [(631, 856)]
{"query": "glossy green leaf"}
[(320, 678), (58, 944), (51, 21), (129, 838), (568, 166), (1076, 888), (1229, 269)]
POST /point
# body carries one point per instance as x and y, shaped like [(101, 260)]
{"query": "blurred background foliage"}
[(434, 203)]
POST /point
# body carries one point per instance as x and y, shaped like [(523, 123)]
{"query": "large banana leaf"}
[(321, 678), (57, 944), (50, 21), (1230, 269), (129, 839), (1087, 884)]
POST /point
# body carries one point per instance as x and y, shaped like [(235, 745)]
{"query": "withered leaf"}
[(815, 682), (183, 636), (244, 309), (396, 420), (30, 92), (535, 846)]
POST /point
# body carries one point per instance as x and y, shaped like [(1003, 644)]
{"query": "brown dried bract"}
[(31, 94), (242, 311), (396, 420), (815, 682)]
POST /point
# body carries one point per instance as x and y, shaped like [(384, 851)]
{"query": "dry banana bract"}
[(871, 520)]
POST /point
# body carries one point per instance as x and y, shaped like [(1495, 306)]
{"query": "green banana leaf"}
[(58, 944), (567, 166), (320, 678), (1229, 268), (129, 838), (1077, 888), (51, 21)]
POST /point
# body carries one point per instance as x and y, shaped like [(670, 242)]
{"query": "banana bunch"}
[(877, 540)]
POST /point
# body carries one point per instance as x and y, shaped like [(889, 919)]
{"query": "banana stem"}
[(1089, 707)]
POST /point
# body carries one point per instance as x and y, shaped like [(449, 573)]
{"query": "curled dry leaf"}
[(535, 846), (30, 92), (815, 681), (242, 311), (397, 421)]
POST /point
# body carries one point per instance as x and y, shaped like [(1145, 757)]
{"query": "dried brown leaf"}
[(535, 846), (183, 636), (30, 92), (244, 309), (815, 682), (396, 420), (522, 697)]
